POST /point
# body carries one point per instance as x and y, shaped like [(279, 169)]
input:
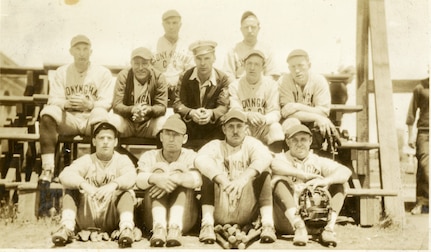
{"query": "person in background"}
[(234, 63), (297, 169), (236, 183), (98, 191), (420, 101), (172, 56), (80, 95), (202, 97), (169, 178)]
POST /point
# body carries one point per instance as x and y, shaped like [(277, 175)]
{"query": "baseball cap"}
[(234, 114), (290, 132), (247, 14), (296, 53), (79, 39), (175, 123), (202, 47), (105, 126), (170, 13), (255, 52), (142, 52)]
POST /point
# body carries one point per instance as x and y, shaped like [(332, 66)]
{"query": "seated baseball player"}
[(169, 178), (305, 97), (98, 191), (236, 183), (140, 98), (296, 170), (258, 97), (202, 96), (80, 95)]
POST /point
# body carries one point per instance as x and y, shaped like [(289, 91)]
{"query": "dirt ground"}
[(413, 236)]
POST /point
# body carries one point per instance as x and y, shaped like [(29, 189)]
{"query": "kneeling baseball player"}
[(98, 191), (295, 171)]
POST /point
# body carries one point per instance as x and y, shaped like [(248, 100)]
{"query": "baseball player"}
[(292, 172), (236, 182), (98, 191), (140, 97), (172, 56), (234, 63), (257, 96), (169, 178), (202, 97), (305, 97), (80, 95)]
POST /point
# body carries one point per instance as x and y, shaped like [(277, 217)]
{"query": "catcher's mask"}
[(315, 206)]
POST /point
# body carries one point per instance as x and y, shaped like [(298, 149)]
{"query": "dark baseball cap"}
[(296, 53), (290, 132), (105, 126), (234, 114)]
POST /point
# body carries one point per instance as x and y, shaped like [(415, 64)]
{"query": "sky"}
[(38, 32)]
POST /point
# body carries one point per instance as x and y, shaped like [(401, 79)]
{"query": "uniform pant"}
[(422, 175), (94, 214), (284, 199), (255, 194)]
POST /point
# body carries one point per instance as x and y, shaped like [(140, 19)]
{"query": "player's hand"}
[(104, 192), (163, 180), (235, 187), (139, 112), (88, 188), (156, 192), (80, 103), (205, 116), (326, 127), (256, 118), (317, 182)]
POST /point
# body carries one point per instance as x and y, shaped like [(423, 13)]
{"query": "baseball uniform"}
[(262, 98)]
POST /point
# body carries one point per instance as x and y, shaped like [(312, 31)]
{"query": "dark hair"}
[(105, 126)]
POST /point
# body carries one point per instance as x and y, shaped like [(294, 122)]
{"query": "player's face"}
[(141, 68), (171, 140), (81, 53), (254, 68), (172, 26), (235, 131), (299, 145), (299, 67), (204, 63), (250, 28), (105, 142)]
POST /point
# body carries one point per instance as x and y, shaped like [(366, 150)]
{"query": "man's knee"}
[(51, 112)]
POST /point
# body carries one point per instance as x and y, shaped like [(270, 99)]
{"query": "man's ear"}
[(185, 138), (116, 142)]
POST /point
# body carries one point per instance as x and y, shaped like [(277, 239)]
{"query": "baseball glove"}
[(315, 206)]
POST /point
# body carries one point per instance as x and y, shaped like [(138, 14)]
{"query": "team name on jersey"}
[(253, 104), (103, 181), (166, 56), (87, 90), (307, 168)]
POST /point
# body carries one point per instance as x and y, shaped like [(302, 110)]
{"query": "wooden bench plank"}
[(370, 192), (358, 145)]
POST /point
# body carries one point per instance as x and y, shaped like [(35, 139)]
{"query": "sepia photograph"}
[(214, 124)]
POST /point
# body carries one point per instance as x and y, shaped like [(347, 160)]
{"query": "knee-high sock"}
[(266, 214), (176, 216), (68, 218), (47, 160), (159, 216), (126, 220), (207, 215)]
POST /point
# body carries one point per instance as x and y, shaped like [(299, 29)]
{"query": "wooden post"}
[(389, 157), (362, 121)]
